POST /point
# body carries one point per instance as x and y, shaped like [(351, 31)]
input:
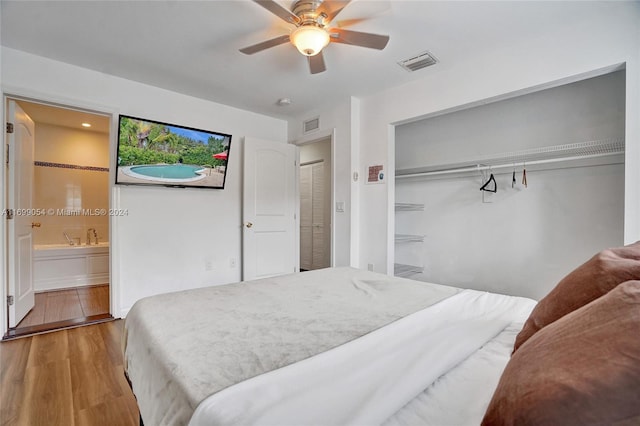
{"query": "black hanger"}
[(486, 184)]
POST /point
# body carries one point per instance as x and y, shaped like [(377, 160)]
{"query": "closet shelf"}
[(569, 153), (402, 270), (409, 207), (409, 238)]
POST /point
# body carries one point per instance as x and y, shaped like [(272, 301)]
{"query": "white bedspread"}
[(367, 380), (182, 347)]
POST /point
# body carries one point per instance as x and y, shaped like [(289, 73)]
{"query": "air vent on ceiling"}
[(416, 63), (311, 125)]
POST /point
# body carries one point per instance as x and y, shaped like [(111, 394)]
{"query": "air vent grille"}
[(311, 125), (418, 62)]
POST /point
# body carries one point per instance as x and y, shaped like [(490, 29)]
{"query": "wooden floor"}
[(70, 377), (61, 305)]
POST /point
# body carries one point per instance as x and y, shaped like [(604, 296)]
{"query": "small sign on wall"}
[(376, 174)]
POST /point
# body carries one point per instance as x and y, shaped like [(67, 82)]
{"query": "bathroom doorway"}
[(63, 256)]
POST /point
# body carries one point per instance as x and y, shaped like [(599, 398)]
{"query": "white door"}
[(306, 217), (312, 215), (269, 204), (20, 196)]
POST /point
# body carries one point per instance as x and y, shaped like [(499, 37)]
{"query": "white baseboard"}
[(69, 282)]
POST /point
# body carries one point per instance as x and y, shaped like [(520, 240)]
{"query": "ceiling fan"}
[(312, 32)]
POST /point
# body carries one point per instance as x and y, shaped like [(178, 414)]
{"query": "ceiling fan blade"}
[(332, 7), (279, 11), (357, 38), (349, 22), (250, 50), (316, 63)]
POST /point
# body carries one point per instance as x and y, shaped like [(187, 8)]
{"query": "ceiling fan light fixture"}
[(309, 39)]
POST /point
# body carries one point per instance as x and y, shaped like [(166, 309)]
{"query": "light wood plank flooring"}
[(61, 305), (70, 377)]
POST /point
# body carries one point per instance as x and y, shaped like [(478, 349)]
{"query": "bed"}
[(331, 347)]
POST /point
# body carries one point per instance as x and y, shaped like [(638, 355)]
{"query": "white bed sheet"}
[(455, 349), (461, 396)]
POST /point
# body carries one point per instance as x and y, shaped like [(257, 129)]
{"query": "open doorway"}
[(58, 190), (315, 204)]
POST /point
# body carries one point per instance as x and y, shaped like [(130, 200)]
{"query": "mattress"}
[(335, 346)]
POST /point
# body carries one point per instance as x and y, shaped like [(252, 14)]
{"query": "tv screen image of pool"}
[(156, 153)]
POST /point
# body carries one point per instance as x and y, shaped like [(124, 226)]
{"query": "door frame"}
[(319, 136), (114, 192)]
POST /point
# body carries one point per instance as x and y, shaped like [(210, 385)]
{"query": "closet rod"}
[(475, 168)]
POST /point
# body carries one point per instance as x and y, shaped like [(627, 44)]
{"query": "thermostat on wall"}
[(376, 174)]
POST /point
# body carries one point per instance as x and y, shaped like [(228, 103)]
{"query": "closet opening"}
[(557, 159)]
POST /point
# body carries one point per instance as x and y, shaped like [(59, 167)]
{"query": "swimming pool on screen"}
[(169, 173)]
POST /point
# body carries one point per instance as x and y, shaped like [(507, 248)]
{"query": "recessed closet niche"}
[(556, 157)]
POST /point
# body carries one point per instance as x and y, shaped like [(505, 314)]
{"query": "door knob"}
[(35, 224), (248, 224)]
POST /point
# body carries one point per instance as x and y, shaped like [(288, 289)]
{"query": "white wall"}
[(58, 144), (587, 110), (525, 240), (169, 234), (556, 56), (66, 188)]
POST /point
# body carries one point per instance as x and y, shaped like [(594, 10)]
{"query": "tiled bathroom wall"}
[(71, 178)]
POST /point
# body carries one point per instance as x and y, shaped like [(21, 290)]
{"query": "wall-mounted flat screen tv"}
[(155, 153)]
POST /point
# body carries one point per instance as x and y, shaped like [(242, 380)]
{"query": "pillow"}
[(589, 281), (583, 369)]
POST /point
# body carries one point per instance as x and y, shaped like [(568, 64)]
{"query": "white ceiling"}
[(65, 117), (191, 47)]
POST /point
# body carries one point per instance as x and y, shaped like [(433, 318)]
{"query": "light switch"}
[(340, 206)]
